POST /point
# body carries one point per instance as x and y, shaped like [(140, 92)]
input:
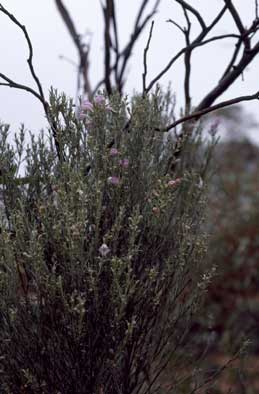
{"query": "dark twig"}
[(108, 13), (188, 7), (187, 63), (193, 45), (249, 32), (141, 12), (237, 19), (233, 59), (29, 60), (198, 41), (40, 95), (232, 71), (83, 50), (138, 29), (229, 78), (144, 75), (12, 84), (199, 113), (115, 46), (177, 25)]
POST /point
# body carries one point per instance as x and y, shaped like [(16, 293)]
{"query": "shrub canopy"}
[(102, 253)]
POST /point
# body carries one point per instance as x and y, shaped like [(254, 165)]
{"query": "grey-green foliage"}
[(101, 277)]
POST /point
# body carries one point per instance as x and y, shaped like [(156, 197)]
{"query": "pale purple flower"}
[(82, 115), (124, 163), (104, 250), (114, 180), (100, 100), (86, 105), (114, 152)]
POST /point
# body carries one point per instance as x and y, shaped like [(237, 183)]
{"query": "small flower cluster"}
[(104, 250), (124, 163), (174, 182), (160, 196), (114, 180), (87, 106)]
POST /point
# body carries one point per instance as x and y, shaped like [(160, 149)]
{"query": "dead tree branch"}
[(40, 94), (144, 75), (82, 49), (239, 24), (233, 70), (12, 84), (196, 115), (138, 29), (109, 16), (198, 41), (116, 60), (187, 62), (195, 12)]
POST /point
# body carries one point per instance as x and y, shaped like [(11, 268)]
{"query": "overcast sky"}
[(50, 39)]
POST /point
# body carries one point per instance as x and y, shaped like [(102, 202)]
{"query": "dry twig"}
[(40, 94)]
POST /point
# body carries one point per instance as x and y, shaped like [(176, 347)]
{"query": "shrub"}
[(102, 253)]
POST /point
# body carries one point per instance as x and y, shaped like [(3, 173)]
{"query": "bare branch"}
[(218, 17), (29, 60), (188, 7), (182, 51), (177, 25), (12, 84), (187, 62), (116, 43), (107, 12), (138, 29), (236, 17), (229, 78), (83, 50), (249, 32), (194, 44), (40, 95), (233, 59), (232, 71), (117, 67), (200, 113), (141, 12), (144, 75)]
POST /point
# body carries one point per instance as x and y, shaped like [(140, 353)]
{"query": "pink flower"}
[(104, 250), (100, 100), (156, 210), (174, 183), (86, 105), (114, 152), (124, 163), (114, 180)]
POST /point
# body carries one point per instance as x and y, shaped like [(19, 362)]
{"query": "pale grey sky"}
[(50, 39)]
